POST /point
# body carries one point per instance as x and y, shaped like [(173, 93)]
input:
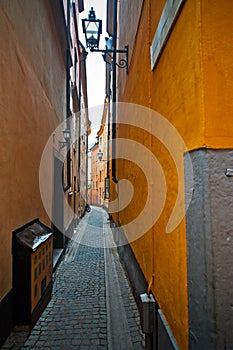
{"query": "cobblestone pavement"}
[(92, 306)]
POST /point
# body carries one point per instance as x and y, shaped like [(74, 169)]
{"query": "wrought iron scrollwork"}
[(122, 63), (108, 58)]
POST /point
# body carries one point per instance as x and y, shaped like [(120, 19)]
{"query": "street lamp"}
[(92, 28), (100, 156), (66, 135)]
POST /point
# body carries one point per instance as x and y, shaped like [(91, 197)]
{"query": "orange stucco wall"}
[(29, 112), (217, 62), (191, 86), (169, 93)]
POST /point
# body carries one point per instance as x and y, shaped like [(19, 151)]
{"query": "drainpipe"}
[(114, 46), (86, 168), (68, 114), (149, 308), (109, 111), (79, 119)]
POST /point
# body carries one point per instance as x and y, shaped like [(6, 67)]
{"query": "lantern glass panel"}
[(92, 28)]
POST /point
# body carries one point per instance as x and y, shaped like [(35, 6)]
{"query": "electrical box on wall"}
[(147, 313), (32, 271)]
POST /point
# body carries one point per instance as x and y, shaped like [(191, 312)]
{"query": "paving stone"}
[(76, 317), (76, 342)]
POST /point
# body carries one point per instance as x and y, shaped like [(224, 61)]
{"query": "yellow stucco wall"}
[(27, 120), (176, 82), (191, 86), (167, 91), (217, 62)]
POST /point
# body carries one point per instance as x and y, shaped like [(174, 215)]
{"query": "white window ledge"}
[(170, 12)]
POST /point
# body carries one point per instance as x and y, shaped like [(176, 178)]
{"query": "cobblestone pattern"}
[(76, 317), (131, 309)]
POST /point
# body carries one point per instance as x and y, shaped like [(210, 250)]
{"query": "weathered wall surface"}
[(36, 34), (210, 260), (31, 88), (191, 86)]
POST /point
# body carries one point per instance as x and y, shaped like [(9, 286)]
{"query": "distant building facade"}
[(94, 174), (102, 159), (89, 178)]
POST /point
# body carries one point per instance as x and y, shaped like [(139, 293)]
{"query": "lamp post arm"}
[(123, 63), (111, 51)]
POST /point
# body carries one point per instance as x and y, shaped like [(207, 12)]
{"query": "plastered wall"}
[(217, 66), (31, 86), (191, 86)]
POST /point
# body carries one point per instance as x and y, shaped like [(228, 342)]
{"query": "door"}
[(58, 204)]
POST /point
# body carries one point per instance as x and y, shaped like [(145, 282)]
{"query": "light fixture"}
[(66, 135), (92, 28), (100, 155)]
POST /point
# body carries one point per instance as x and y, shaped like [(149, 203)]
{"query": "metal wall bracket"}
[(123, 62)]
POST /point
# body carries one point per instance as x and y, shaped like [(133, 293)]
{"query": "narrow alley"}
[(92, 305), (125, 108)]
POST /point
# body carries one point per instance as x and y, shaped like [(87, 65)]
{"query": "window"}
[(35, 291), (35, 274)]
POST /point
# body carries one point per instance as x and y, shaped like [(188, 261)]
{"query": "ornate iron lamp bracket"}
[(123, 62)]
